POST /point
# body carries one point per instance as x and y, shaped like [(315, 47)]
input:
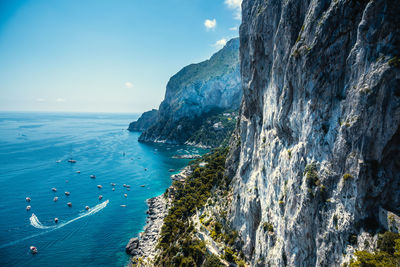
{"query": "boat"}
[(142, 185), (100, 197), (128, 189), (171, 170), (28, 208), (87, 208), (123, 206), (99, 186), (72, 161), (58, 161), (124, 185), (33, 249), (78, 171), (69, 204), (112, 184), (54, 189), (93, 176), (28, 199), (55, 199), (145, 169), (67, 193), (125, 195), (113, 189), (56, 220)]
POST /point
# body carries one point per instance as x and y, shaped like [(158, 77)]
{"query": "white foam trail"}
[(37, 224)]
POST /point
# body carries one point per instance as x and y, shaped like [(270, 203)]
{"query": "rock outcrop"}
[(195, 93), (144, 249), (316, 153), (147, 119)]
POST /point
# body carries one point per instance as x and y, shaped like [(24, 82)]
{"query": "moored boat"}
[(28, 199), (100, 197), (93, 176), (69, 204), (56, 220), (55, 199), (54, 189), (33, 249), (28, 208), (67, 193)]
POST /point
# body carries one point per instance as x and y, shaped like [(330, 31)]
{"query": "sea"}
[(34, 153)]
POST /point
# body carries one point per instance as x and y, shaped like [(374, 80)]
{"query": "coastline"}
[(142, 249)]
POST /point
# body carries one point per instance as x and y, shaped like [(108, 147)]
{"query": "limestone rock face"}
[(196, 90), (144, 122), (316, 151)]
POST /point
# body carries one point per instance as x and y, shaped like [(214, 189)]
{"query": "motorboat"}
[(69, 204), (100, 197), (113, 189), (145, 169), (28, 199), (33, 249), (55, 199), (87, 208), (78, 171), (93, 176), (128, 189), (112, 184), (72, 161), (67, 193), (99, 186), (125, 195), (54, 189), (123, 206), (58, 161), (28, 208), (142, 185), (56, 220)]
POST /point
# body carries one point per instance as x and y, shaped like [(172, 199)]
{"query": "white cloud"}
[(60, 100), (233, 28), (210, 24), (40, 100), (221, 42), (128, 85), (237, 6)]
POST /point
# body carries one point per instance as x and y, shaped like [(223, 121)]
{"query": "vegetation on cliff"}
[(179, 244)]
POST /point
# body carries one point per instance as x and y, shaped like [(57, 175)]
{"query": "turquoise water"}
[(30, 146)]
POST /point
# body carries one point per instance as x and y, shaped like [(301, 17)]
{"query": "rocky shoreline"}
[(143, 249)]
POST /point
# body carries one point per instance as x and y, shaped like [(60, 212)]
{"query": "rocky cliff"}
[(315, 157), (195, 93), (147, 119)]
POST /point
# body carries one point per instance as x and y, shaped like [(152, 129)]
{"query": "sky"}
[(104, 55)]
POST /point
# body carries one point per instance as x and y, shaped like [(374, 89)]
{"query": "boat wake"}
[(37, 224)]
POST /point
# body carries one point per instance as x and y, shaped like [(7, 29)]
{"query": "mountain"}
[(144, 122), (315, 163), (195, 95)]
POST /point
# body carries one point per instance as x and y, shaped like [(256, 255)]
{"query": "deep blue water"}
[(30, 146)]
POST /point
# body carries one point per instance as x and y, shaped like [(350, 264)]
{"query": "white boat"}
[(67, 193), (78, 171), (33, 249), (123, 206), (58, 161), (93, 176), (99, 186), (87, 208), (100, 197), (55, 199), (125, 195), (72, 161), (112, 184), (113, 189), (69, 204), (56, 220), (54, 189), (28, 208), (28, 199)]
